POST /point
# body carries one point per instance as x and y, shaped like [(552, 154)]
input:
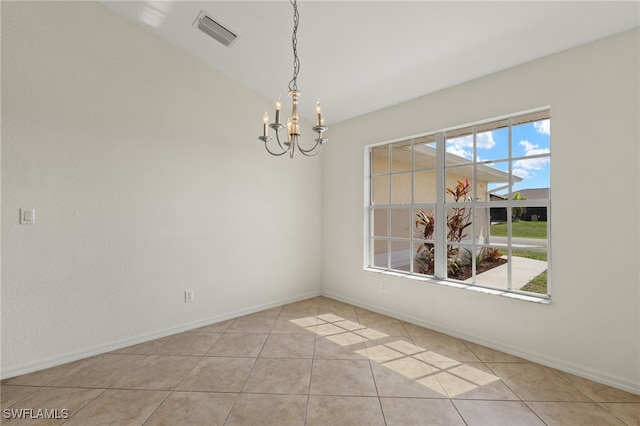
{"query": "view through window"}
[(470, 204)]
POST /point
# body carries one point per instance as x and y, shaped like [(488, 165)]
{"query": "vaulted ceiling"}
[(360, 56)]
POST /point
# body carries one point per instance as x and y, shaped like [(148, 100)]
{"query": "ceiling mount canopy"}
[(293, 127)]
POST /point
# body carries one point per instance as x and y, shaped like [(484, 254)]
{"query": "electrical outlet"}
[(383, 287), (188, 296)]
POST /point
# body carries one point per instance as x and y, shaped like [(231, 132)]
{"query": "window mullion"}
[(440, 246)]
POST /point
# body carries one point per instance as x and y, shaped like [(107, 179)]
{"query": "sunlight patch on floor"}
[(430, 369)]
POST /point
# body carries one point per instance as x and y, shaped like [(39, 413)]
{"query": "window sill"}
[(542, 299)]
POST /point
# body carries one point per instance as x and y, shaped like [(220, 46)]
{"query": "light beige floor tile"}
[(390, 348), (340, 346), (343, 311), (342, 377), (146, 348), (533, 382), (218, 374), (252, 324), (329, 317), (272, 312), (42, 377), (157, 372), (473, 381), (417, 331), (62, 403), (300, 309), (239, 344), (119, 407), (596, 391), (444, 348), (406, 377), (326, 329), (295, 325), (628, 412), (256, 410), (190, 343), (417, 411), (573, 413), (490, 355), (364, 314), (497, 413), (344, 411), (99, 372), (218, 327), (279, 376), (193, 409), (288, 346), (374, 327), (10, 394)]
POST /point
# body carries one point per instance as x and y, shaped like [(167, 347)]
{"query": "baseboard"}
[(539, 358), (112, 346)]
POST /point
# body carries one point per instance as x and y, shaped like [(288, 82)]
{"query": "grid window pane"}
[(424, 187), (379, 223), (380, 253), (380, 190), (459, 146), (400, 223), (459, 184), (401, 255), (401, 156), (401, 188), (380, 159), (492, 143)]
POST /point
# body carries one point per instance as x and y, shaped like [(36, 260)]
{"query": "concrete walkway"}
[(522, 271)]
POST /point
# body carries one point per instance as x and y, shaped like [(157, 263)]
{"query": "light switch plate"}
[(27, 216)]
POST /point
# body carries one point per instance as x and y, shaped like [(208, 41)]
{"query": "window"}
[(469, 205)]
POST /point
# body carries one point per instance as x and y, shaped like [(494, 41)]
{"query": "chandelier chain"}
[(293, 84)]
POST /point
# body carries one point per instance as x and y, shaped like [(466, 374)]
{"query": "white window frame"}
[(441, 206)]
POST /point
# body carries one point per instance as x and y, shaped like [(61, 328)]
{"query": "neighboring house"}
[(535, 213), (499, 214)]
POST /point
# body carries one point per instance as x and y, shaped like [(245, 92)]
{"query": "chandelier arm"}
[(278, 140), (310, 149), (309, 154), (284, 151)]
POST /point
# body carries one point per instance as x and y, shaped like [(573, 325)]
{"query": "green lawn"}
[(530, 254), (537, 284), (522, 229)]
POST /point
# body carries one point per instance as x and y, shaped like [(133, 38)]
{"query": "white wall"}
[(592, 326), (147, 177)]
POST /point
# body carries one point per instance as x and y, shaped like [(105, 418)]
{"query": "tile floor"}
[(315, 362)]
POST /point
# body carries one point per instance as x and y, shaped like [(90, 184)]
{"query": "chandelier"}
[(293, 127)]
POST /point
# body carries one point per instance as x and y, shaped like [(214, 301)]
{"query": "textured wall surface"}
[(592, 326), (147, 177)]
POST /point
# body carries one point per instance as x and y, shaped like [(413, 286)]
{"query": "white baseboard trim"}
[(112, 346), (539, 358)]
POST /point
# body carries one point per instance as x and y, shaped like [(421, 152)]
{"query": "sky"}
[(527, 140)]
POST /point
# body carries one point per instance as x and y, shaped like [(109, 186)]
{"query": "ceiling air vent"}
[(214, 29)]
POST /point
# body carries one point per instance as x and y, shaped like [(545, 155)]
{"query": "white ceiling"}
[(360, 56)]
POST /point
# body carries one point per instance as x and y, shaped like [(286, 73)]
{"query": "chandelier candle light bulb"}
[(265, 124), (293, 126), (319, 112), (278, 108)]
